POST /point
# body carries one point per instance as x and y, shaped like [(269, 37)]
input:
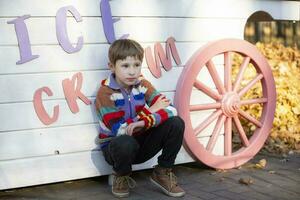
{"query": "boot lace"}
[(172, 178), (125, 180)]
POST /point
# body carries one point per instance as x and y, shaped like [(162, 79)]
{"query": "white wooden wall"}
[(28, 147)]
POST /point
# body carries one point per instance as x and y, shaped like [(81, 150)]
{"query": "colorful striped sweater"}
[(116, 108)]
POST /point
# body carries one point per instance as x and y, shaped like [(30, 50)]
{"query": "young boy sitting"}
[(136, 122)]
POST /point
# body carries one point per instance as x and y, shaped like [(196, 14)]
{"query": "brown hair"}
[(122, 48)]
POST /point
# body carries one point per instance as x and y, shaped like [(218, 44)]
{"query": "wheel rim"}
[(227, 102)]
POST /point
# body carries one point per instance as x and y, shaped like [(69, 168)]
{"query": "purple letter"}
[(108, 22), (23, 39), (61, 29)]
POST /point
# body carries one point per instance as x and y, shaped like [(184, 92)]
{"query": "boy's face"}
[(127, 71)]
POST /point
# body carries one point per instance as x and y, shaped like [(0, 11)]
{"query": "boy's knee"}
[(124, 144), (177, 122)]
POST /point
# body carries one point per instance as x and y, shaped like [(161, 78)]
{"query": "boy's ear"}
[(111, 67)]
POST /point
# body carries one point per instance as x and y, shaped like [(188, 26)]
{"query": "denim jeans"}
[(125, 150)]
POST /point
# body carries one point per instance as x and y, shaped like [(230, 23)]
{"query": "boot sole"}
[(120, 195), (181, 194)]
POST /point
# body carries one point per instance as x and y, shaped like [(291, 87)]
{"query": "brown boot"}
[(121, 185), (166, 180)]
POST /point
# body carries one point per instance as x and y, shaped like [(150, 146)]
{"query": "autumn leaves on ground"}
[(285, 64)]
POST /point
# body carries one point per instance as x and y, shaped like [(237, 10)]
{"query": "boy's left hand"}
[(135, 125)]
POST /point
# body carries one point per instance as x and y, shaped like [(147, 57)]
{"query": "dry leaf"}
[(221, 170), (246, 181), (261, 164), (221, 179)]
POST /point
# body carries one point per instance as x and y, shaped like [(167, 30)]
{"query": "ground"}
[(280, 179)]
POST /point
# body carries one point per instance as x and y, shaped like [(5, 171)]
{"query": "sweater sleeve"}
[(107, 112), (151, 96), (110, 116)]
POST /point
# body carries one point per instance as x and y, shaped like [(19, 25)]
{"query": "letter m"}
[(161, 57)]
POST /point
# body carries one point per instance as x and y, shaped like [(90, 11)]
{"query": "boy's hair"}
[(122, 48)]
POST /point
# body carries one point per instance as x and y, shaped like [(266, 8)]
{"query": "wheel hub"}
[(230, 104)]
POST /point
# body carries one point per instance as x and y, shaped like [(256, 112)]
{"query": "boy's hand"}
[(135, 126), (161, 103)]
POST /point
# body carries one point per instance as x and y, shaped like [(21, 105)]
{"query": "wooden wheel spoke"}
[(241, 131), (205, 106), (250, 118), (216, 132), (250, 85), (208, 91), (207, 121), (228, 137), (214, 74), (241, 73), (253, 101), (227, 73)]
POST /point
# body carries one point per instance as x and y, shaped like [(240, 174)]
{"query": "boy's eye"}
[(125, 65), (137, 64)]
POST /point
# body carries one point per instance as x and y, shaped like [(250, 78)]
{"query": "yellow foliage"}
[(285, 65)]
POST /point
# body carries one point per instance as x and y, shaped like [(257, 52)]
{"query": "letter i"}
[(23, 39)]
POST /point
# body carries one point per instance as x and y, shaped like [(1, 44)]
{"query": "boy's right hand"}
[(161, 103), (134, 127)]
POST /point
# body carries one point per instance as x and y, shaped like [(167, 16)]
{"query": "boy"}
[(131, 132)]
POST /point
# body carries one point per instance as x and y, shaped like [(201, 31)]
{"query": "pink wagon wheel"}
[(227, 102)]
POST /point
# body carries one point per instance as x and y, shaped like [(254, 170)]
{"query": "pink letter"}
[(72, 93), (40, 109), (23, 39), (161, 57)]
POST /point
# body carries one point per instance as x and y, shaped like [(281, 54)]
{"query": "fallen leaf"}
[(221, 170), (221, 179), (261, 164), (291, 152), (246, 181), (249, 165)]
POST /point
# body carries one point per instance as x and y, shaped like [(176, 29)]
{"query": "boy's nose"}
[(131, 71)]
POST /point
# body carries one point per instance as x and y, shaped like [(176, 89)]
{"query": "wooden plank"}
[(68, 139), (219, 146), (56, 168), (20, 116), (47, 141), (197, 117), (21, 88), (91, 57), (279, 10), (182, 8), (27, 118), (42, 31)]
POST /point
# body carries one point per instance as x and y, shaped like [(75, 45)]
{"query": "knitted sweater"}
[(116, 108)]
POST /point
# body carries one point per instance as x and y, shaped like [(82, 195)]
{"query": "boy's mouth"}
[(131, 79)]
